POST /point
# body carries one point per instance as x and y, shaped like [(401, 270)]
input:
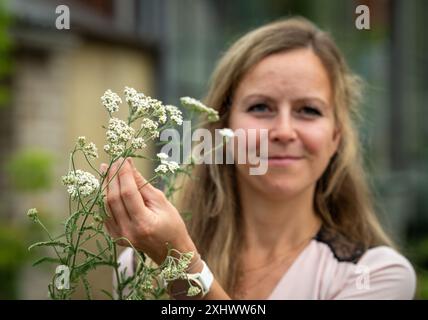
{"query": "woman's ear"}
[(337, 138)]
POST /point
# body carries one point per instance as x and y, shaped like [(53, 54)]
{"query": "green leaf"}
[(47, 259), (48, 244), (84, 268), (89, 253), (70, 224), (101, 250), (87, 288)]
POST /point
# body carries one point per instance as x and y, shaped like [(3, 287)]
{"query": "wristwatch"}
[(203, 279)]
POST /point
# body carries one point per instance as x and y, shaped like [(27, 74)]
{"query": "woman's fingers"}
[(109, 221), (129, 193), (110, 218), (114, 199), (147, 191)]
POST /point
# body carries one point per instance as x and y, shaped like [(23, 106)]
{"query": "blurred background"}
[(51, 81)]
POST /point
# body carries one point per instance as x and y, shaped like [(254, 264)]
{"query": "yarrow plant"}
[(147, 117)]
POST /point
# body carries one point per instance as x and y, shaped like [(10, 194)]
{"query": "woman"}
[(304, 230)]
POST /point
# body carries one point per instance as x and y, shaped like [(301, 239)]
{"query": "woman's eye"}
[(310, 111), (260, 107)]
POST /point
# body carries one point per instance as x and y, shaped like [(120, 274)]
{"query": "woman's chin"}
[(278, 188)]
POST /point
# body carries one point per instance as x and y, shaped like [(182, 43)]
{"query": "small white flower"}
[(119, 131), (111, 101), (91, 150), (32, 214), (174, 114), (147, 284), (162, 156), (159, 112), (227, 133), (198, 106), (161, 168), (172, 165), (81, 141), (193, 291), (166, 166), (80, 182), (148, 124), (162, 118), (114, 149), (142, 105), (130, 94), (150, 127), (138, 143), (137, 101), (118, 134)]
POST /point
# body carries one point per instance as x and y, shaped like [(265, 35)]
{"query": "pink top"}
[(331, 267)]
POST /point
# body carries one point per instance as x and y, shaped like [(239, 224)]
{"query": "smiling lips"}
[(282, 160)]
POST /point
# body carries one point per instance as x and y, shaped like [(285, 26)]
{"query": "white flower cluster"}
[(147, 284), (177, 269), (198, 106), (153, 114), (139, 103), (174, 114), (90, 149), (80, 182), (150, 127), (118, 131), (118, 134), (193, 291), (165, 165), (138, 143), (131, 96), (143, 106), (32, 214), (159, 111), (81, 141), (111, 101)]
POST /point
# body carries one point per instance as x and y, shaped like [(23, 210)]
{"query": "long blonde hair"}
[(342, 196)]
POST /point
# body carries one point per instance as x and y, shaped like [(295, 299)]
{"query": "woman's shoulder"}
[(346, 250), (388, 265), (379, 272), (384, 255)]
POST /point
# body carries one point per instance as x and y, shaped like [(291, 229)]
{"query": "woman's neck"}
[(274, 225)]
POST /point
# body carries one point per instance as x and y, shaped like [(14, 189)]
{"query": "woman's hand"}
[(142, 214)]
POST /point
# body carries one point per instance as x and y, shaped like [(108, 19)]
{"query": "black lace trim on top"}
[(344, 250)]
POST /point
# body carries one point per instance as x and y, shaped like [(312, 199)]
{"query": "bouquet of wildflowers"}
[(147, 117)]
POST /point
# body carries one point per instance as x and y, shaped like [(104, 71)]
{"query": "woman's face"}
[(290, 95)]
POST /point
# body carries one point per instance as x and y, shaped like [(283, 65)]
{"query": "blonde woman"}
[(304, 230)]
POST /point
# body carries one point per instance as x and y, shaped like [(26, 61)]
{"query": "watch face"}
[(178, 288)]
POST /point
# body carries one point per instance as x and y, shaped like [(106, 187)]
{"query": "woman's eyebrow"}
[(320, 101), (255, 96)]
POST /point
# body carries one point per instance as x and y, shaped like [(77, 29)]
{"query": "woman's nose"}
[(282, 129)]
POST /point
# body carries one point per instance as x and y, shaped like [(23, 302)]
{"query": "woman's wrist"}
[(179, 289), (185, 244)]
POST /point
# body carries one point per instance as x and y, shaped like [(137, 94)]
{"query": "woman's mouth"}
[(280, 161)]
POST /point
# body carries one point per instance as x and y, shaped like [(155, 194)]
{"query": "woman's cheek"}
[(316, 141)]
